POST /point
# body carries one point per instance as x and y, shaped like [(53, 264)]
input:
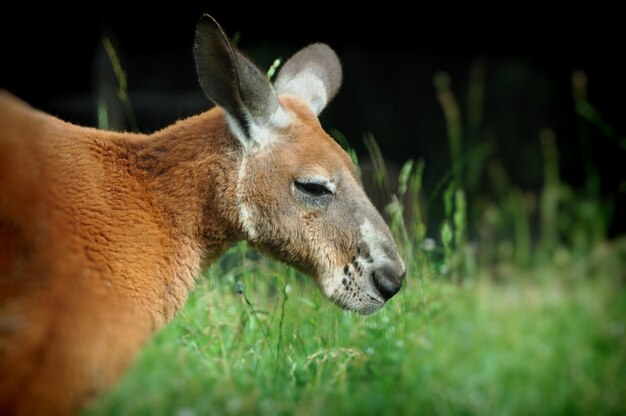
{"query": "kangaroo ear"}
[(234, 83), (313, 75)]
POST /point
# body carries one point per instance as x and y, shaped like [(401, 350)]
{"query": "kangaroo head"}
[(299, 198)]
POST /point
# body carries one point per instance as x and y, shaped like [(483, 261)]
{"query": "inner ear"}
[(313, 75)]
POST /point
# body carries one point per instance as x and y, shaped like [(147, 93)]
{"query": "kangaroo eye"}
[(312, 188)]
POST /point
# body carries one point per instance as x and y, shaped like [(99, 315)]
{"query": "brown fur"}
[(101, 237)]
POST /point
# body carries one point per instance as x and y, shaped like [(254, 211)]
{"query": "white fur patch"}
[(261, 135), (374, 240), (280, 119), (245, 216), (331, 284), (309, 88)]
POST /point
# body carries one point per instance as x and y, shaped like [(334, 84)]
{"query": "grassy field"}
[(549, 340), (518, 307)]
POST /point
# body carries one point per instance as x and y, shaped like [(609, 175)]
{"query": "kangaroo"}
[(102, 234)]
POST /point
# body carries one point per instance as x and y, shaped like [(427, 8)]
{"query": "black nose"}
[(388, 281)]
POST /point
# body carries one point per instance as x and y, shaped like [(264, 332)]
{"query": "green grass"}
[(550, 340)]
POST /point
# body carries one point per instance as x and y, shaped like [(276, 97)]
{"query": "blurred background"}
[(509, 69)]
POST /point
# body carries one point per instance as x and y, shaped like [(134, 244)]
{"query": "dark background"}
[(53, 58)]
